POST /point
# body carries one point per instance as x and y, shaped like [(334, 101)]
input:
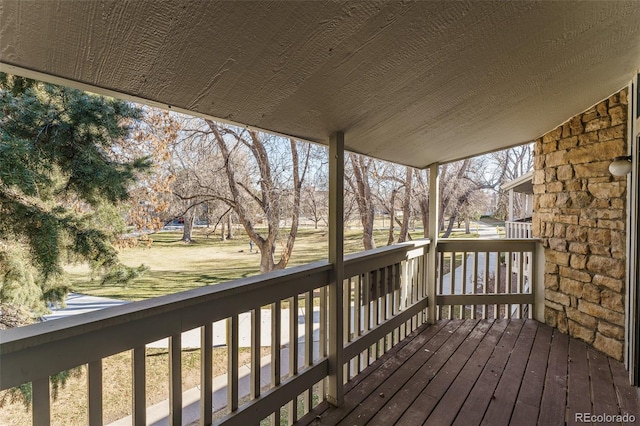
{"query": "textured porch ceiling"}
[(410, 82)]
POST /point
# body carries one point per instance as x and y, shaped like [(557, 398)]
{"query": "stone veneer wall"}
[(580, 216)]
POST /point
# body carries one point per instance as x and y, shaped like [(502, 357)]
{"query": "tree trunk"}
[(406, 207), (467, 225), (362, 193), (229, 227), (187, 230), (223, 235), (392, 218)]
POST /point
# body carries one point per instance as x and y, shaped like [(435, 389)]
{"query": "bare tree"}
[(268, 192), (357, 174)]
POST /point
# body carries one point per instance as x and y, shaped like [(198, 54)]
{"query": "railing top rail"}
[(361, 262), (486, 245)]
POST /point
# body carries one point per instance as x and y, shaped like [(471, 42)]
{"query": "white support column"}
[(632, 358), (511, 204), (335, 388), (434, 220)]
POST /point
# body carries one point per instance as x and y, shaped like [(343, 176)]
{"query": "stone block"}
[(599, 236), (579, 262), (600, 151), (575, 274), (613, 100), (607, 266), (554, 187), (598, 250), (609, 330), (580, 199), (557, 297), (618, 225), (556, 158), (562, 323), (580, 332), (559, 230), (616, 132), (588, 223), (576, 233), (553, 305), (564, 172), (606, 190), (597, 124), (618, 243), (582, 318), (591, 293), (612, 300), (551, 282), (547, 200), (588, 170), (571, 287), (623, 97), (538, 162), (550, 268), (569, 219), (566, 130), (589, 115), (618, 203), (550, 316), (558, 244), (587, 138), (579, 248), (602, 109), (618, 115), (553, 135), (576, 126), (612, 347), (538, 177), (608, 282), (598, 311), (549, 176), (573, 185), (557, 257), (568, 142)]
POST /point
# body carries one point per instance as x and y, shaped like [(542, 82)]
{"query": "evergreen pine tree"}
[(61, 178)]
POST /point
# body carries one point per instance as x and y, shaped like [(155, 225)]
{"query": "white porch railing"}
[(518, 229), (385, 298)]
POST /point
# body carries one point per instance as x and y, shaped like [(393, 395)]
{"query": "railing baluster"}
[(521, 275), (440, 279), (507, 280), (474, 282), (322, 344), (232, 363), (139, 378), (94, 385), (452, 282), (346, 324), (276, 330), (292, 406), (206, 374), (256, 346), (41, 402), (497, 284), (175, 372), (308, 349), (485, 281), (463, 284)]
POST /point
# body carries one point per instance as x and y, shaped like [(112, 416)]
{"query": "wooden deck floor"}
[(468, 372)]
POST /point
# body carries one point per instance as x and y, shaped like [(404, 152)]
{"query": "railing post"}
[(537, 282), (432, 270), (335, 385)]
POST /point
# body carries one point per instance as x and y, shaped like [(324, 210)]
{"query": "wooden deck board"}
[(447, 408), (554, 394), (480, 396), (471, 372)]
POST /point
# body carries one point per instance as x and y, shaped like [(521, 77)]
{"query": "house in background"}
[(416, 83), (521, 187)]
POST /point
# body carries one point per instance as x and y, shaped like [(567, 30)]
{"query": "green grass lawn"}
[(175, 266)]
